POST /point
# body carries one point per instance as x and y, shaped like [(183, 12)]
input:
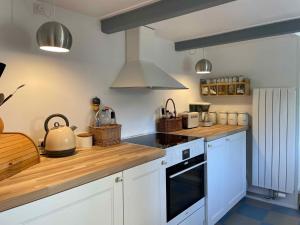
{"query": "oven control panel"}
[(184, 151), (186, 154)]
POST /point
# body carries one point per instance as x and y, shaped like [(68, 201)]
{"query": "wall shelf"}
[(226, 89)]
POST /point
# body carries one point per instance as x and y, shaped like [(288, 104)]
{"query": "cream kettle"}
[(60, 140)]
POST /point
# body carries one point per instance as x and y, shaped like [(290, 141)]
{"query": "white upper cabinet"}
[(145, 194), (96, 203)]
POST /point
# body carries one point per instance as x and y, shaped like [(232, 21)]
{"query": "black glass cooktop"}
[(160, 140)]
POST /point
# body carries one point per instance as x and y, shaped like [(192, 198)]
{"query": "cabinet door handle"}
[(164, 162), (119, 179), (209, 145)]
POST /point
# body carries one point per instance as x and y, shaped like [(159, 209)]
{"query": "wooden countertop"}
[(54, 175), (213, 132)]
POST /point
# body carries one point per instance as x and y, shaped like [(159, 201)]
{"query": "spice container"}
[(222, 118), (232, 118), (212, 117), (243, 119)]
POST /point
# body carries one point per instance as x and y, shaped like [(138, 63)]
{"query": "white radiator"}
[(274, 139)]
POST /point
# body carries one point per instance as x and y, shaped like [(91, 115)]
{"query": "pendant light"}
[(203, 66), (54, 37)]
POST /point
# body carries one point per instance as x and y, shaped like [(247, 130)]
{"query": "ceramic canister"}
[(212, 117), (243, 119), (222, 118), (232, 118), (84, 140)]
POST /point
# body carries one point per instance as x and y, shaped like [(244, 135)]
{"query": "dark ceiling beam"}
[(158, 11), (268, 30)]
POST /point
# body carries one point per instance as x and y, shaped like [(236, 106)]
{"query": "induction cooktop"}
[(160, 140)]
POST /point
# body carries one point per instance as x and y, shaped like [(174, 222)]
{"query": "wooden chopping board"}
[(17, 152)]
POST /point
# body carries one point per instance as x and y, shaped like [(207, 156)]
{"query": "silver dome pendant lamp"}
[(54, 37), (203, 66)]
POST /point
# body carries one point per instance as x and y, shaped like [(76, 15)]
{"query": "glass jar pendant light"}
[(203, 66), (54, 37)]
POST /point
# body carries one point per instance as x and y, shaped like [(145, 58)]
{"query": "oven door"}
[(185, 185)]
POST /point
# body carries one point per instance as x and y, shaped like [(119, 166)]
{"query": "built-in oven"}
[(185, 185)]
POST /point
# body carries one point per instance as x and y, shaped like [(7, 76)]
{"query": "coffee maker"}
[(202, 108)]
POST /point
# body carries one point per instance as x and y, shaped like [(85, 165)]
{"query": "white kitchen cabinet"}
[(95, 203), (235, 179), (145, 194), (216, 157), (226, 175)]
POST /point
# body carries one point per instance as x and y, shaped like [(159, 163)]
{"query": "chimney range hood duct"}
[(139, 71)]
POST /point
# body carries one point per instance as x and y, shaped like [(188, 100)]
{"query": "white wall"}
[(66, 83), (269, 62)]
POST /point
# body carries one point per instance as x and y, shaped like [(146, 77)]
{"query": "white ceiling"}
[(101, 8), (231, 16)]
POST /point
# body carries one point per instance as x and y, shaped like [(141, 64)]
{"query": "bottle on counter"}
[(113, 117), (105, 117)]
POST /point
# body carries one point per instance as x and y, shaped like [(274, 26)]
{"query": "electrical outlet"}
[(42, 9)]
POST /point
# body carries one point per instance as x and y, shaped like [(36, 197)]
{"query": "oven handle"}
[(186, 170)]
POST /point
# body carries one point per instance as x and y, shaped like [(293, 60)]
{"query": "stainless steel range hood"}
[(139, 71)]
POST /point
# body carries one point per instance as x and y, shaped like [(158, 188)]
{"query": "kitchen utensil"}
[(222, 118), (2, 97), (243, 119), (8, 97), (2, 68), (17, 153), (232, 118), (60, 140)]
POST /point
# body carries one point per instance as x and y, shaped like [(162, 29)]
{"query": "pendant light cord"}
[(12, 12), (54, 9)]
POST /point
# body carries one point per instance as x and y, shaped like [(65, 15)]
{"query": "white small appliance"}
[(202, 108), (189, 119)]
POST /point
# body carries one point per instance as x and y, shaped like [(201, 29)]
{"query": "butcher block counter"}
[(54, 175), (213, 132)]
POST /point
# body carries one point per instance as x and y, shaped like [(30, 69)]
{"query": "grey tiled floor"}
[(252, 212)]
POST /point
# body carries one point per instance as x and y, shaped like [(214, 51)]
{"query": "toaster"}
[(190, 120)]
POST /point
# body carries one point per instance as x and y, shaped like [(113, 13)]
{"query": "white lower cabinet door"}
[(216, 158), (145, 194), (197, 218), (96, 203), (226, 175), (236, 169)]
